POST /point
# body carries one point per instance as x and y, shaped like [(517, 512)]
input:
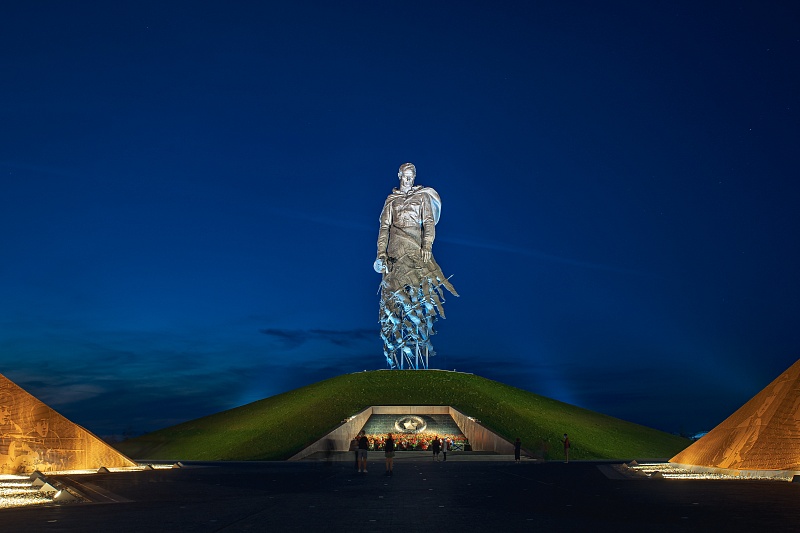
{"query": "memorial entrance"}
[(413, 432)]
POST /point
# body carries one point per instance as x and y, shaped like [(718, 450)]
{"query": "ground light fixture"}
[(36, 489)]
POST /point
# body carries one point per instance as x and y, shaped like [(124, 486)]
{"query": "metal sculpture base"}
[(417, 361), (407, 318)]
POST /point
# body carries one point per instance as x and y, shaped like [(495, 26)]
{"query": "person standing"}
[(517, 449), (436, 446), (363, 447), (565, 441), (354, 449), (445, 448), (388, 448)]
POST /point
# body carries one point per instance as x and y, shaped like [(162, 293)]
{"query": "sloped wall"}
[(339, 439), (35, 437), (762, 435), (481, 439)]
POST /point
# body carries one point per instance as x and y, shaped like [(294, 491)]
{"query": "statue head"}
[(407, 166), (40, 419), (407, 175)]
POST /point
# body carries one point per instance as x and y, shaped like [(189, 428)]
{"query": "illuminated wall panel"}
[(35, 437), (763, 434)]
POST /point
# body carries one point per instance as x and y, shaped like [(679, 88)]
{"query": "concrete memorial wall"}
[(35, 437), (762, 435)]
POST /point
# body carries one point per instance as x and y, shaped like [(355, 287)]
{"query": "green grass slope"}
[(278, 427)]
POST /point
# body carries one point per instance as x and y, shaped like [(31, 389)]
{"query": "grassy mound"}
[(280, 426)]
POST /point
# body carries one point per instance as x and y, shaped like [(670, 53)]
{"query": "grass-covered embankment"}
[(280, 426)]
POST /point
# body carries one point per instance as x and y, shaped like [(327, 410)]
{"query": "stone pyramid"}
[(763, 434), (34, 437)]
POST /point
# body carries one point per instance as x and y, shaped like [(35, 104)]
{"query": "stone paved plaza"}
[(469, 492)]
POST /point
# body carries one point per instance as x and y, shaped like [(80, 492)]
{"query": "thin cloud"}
[(483, 245), (527, 252), (323, 220), (39, 169), (292, 338)]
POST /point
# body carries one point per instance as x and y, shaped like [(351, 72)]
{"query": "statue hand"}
[(426, 256)]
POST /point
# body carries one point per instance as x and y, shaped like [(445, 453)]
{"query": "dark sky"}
[(191, 194)]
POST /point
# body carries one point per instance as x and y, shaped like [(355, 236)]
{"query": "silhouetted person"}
[(517, 449), (445, 448), (435, 446), (565, 441), (354, 449), (363, 446), (388, 449)]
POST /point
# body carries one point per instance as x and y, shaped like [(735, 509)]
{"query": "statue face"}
[(407, 179), (42, 427)]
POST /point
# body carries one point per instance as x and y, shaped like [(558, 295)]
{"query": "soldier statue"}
[(411, 288)]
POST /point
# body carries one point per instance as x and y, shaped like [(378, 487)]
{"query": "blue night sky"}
[(191, 194)]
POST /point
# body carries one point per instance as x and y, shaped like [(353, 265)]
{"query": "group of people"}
[(439, 446), (362, 447), (363, 443), (442, 446)]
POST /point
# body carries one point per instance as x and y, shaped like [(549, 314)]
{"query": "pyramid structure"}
[(35, 437), (763, 434)]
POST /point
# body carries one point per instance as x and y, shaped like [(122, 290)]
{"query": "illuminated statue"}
[(411, 289)]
